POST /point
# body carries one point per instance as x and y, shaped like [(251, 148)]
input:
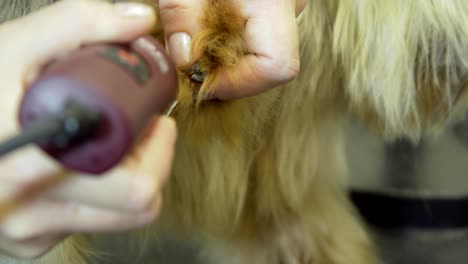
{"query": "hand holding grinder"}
[(87, 110)]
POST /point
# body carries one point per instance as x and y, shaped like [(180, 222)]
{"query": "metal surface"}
[(169, 110)]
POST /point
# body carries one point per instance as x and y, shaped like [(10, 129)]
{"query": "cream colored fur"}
[(263, 179)]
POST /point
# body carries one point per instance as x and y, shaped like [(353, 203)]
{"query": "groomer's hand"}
[(272, 38), (37, 208)]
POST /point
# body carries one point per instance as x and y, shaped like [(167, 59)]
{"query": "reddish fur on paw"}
[(219, 45)]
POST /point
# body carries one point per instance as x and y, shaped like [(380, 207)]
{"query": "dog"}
[(263, 179)]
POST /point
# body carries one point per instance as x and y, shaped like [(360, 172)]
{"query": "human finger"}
[(181, 20), (274, 51), (63, 27)]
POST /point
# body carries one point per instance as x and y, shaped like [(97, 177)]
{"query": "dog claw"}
[(197, 75)]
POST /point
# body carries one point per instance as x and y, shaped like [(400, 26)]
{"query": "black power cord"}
[(74, 123)]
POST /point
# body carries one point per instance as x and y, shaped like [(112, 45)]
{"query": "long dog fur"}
[(263, 179)]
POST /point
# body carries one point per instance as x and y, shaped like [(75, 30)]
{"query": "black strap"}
[(400, 212)]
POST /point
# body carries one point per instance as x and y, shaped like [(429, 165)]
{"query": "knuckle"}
[(172, 6), (142, 200), (172, 9), (279, 69), (76, 11), (84, 5), (77, 7), (180, 16), (152, 213), (30, 253), (286, 69), (148, 219), (88, 14), (19, 231)]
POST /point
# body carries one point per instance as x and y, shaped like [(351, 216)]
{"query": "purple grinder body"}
[(126, 83)]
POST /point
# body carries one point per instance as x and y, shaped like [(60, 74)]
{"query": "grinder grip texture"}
[(126, 83)]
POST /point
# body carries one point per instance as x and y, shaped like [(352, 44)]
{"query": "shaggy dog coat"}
[(263, 179)]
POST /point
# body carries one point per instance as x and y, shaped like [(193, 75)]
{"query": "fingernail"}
[(179, 48), (134, 9)]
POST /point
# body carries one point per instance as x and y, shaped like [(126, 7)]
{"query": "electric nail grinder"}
[(86, 110)]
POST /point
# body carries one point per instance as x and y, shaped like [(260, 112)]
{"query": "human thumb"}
[(63, 27)]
